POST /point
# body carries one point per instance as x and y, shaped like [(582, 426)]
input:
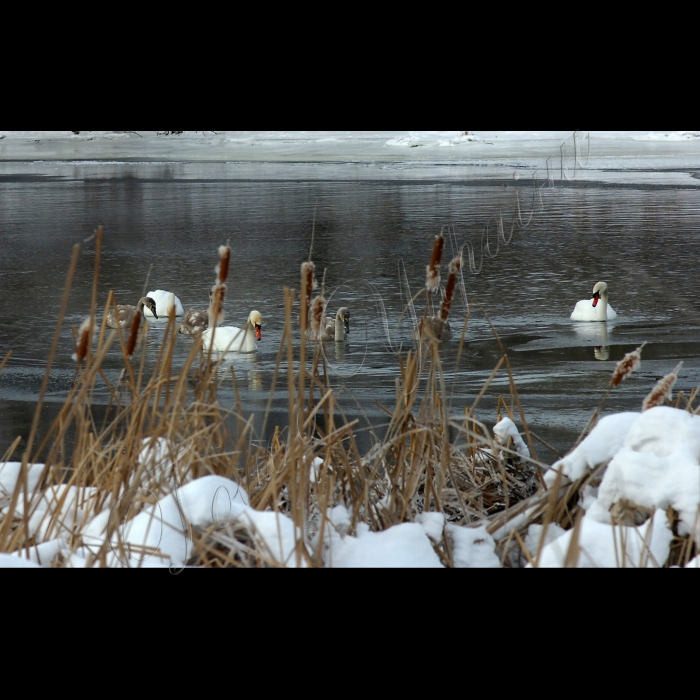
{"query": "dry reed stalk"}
[(307, 287), (628, 364), (81, 347), (222, 267), (318, 312), (432, 270), (662, 390), (573, 553), (96, 272), (77, 397), (216, 304), (5, 359), (35, 422), (133, 336), (455, 267)]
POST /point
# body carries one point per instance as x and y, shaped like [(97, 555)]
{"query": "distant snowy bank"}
[(318, 146)]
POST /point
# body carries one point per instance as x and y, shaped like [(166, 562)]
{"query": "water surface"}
[(373, 231)]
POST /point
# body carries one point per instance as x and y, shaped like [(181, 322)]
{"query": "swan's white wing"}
[(583, 311), (227, 339)]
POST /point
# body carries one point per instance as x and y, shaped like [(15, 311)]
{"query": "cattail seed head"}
[(307, 286), (222, 267), (662, 391), (318, 311), (216, 304), (627, 365), (81, 348), (432, 271), (133, 335), (455, 267)]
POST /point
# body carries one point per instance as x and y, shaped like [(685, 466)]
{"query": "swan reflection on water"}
[(335, 351), (244, 365), (597, 334)]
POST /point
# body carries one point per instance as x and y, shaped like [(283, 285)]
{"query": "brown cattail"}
[(222, 267), (627, 365), (81, 348), (662, 390), (307, 286), (318, 311), (216, 304), (432, 271), (455, 267), (133, 335)]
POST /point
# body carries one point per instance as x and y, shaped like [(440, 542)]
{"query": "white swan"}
[(162, 299), (233, 339), (337, 328), (591, 310), (432, 327), (126, 313)]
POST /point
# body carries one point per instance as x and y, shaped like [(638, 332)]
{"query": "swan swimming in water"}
[(232, 338), (337, 328), (432, 327), (591, 309), (162, 300), (195, 321), (126, 313)]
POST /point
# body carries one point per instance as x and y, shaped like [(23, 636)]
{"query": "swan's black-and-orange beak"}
[(347, 326), (596, 298), (258, 332)]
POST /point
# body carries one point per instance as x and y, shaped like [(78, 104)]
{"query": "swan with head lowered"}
[(596, 308), (163, 302), (233, 339), (337, 328), (126, 312)]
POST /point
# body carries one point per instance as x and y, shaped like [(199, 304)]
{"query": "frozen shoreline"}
[(319, 146), (658, 158)]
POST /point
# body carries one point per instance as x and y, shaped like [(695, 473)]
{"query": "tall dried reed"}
[(452, 278), (432, 270)]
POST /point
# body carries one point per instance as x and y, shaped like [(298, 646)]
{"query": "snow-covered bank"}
[(652, 477), (668, 159), (320, 146)]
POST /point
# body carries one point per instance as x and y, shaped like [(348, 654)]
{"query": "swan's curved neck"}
[(248, 344), (602, 309), (339, 328)]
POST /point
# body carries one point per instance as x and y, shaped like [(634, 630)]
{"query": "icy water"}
[(373, 235)]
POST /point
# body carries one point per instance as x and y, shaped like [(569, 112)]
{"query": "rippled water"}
[(373, 229)]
